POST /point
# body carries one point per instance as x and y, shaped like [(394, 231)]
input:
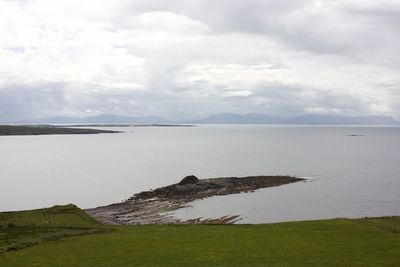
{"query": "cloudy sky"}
[(190, 58)]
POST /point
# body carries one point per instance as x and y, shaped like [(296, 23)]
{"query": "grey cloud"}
[(225, 15), (21, 102), (331, 29), (273, 99), (293, 100), (119, 104)]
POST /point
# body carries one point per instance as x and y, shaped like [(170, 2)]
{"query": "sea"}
[(350, 171)]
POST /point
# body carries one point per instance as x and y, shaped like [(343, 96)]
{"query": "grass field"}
[(339, 242)]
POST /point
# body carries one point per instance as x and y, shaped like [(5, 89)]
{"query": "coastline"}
[(155, 206)]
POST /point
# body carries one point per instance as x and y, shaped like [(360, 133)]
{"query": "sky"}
[(190, 58)]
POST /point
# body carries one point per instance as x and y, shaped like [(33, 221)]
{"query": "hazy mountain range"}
[(255, 118), (226, 118)]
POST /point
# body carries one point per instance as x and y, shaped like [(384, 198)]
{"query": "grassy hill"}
[(66, 215), (338, 242), (23, 229)]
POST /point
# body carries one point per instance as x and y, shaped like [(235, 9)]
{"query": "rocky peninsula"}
[(155, 206)]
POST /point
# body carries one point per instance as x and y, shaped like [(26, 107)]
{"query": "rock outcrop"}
[(155, 206)]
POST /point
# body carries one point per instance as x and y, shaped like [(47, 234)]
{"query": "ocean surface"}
[(349, 176)]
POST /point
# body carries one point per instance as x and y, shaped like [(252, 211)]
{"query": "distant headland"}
[(46, 130)]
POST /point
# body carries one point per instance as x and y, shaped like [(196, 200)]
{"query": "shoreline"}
[(155, 206)]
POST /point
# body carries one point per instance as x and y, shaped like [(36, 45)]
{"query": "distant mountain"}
[(232, 118), (255, 118), (334, 119), (101, 119), (224, 118)]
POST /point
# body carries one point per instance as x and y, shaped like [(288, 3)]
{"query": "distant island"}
[(72, 129), (130, 125), (151, 207), (46, 130)]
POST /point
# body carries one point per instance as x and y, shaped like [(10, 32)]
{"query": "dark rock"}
[(191, 179), (150, 207), (191, 188)]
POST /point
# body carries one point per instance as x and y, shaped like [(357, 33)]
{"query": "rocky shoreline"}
[(156, 206)]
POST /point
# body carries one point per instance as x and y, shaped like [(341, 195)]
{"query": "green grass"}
[(23, 229), (66, 215), (339, 242)]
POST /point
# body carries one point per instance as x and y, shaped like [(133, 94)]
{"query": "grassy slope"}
[(66, 215), (22, 229), (340, 242)]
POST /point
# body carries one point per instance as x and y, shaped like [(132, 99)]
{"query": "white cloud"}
[(247, 56), (166, 22)]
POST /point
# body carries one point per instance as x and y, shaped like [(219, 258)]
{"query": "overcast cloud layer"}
[(187, 59)]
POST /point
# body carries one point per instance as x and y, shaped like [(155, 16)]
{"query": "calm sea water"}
[(350, 176)]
